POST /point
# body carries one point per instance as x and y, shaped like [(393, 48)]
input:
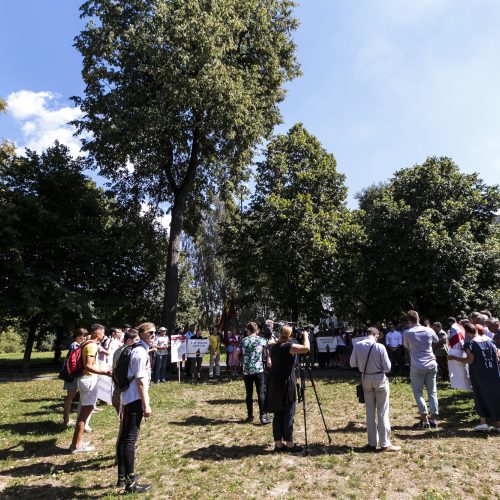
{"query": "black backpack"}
[(120, 372)]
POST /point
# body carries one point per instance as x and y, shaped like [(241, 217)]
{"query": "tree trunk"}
[(169, 313), (58, 344), (29, 345)]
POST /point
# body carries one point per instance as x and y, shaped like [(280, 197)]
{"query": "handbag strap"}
[(367, 358)]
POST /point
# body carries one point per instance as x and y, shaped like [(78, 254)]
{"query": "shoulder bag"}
[(359, 388)]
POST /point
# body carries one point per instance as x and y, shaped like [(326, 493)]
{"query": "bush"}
[(10, 341)]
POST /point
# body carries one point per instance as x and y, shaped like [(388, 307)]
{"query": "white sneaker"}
[(83, 448), (481, 428), (88, 429)]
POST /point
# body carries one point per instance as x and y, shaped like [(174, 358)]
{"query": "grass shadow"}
[(49, 491), (349, 428), (45, 468), (217, 452), (29, 449), (225, 401), (37, 428), (198, 420)]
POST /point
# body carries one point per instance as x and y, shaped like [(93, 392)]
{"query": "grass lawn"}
[(195, 446)]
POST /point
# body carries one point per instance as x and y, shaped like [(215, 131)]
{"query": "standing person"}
[(281, 394), (188, 333), (135, 401), (484, 369), (458, 372), (418, 340), (441, 350), (214, 341), (252, 349), (394, 345), (372, 360), (72, 387), (232, 349), (198, 360), (161, 344), (87, 386), (493, 325)]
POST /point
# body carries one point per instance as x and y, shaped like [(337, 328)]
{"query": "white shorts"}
[(87, 385)]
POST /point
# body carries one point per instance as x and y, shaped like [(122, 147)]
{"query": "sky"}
[(385, 84)]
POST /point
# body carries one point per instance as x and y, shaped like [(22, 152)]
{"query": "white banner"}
[(104, 388), (178, 348), (326, 344), (196, 345)]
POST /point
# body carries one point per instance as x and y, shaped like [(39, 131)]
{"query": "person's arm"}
[(301, 349), (434, 338), (406, 342), (353, 361), (386, 362), (469, 359), (142, 387), (89, 365)]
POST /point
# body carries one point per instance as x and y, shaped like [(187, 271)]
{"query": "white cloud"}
[(43, 120)]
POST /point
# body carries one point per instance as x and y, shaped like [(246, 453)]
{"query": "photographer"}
[(281, 395)]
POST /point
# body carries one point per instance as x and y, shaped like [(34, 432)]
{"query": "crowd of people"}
[(265, 357)]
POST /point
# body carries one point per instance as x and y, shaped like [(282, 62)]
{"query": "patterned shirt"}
[(252, 347)]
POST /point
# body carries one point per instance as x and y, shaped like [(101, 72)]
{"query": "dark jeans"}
[(160, 367), (283, 423), (442, 362), (396, 358), (196, 366), (129, 432), (258, 380)]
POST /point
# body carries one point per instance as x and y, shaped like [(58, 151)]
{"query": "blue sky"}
[(385, 83)]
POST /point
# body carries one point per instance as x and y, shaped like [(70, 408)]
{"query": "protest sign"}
[(104, 388), (178, 348), (326, 344), (194, 345)]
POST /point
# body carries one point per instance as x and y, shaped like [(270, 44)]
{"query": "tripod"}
[(304, 367)]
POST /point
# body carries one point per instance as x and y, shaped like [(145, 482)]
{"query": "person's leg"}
[(249, 379), (211, 366), (278, 429), (217, 365), (157, 369), (417, 378), (87, 386), (261, 395), (68, 400), (382, 408), (288, 417), (131, 426), (371, 426), (430, 386), (83, 414)]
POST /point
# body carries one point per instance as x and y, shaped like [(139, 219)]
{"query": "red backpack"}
[(73, 364)]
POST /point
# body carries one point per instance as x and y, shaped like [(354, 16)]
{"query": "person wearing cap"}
[(160, 366)]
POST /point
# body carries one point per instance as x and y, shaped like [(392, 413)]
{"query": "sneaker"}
[(433, 424), (121, 483), (136, 487), (83, 448), (391, 448), (88, 429), (481, 428), (278, 449), (264, 419), (248, 420), (496, 429)]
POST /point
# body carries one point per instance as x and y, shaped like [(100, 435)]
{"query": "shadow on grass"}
[(44, 468), (349, 428), (198, 420), (225, 401), (27, 449), (37, 428), (216, 452), (50, 491)]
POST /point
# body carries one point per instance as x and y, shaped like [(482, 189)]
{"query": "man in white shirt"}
[(372, 361), (135, 401), (394, 344)]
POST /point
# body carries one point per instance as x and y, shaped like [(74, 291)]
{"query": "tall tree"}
[(297, 213), (430, 242), (183, 91)]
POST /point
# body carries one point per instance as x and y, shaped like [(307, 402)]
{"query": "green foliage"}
[(430, 243), (297, 213), (10, 341), (184, 91)]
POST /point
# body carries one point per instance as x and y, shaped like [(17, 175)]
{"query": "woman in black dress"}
[(281, 395), (484, 370)]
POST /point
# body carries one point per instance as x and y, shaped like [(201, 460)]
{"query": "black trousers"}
[(283, 423), (129, 432), (258, 380)]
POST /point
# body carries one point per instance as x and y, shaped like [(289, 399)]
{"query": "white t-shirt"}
[(139, 367), (162, 344)]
